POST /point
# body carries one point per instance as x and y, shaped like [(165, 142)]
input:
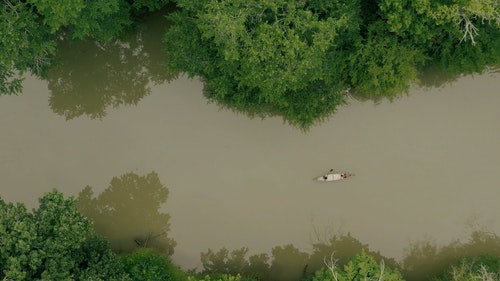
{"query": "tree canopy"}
[(54, 242), (265, 57), (297, 59)]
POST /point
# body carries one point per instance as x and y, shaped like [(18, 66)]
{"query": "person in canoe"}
[(334, 176)]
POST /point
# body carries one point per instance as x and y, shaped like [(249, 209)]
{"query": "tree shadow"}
[(424, 260), (343, 247), (89, 77), (127, 212), (288, 263), (433, 78)]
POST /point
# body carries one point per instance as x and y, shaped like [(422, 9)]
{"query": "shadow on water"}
[(428, 79), (89, 77), (422, 261), (287, 263), (126, 212), (431, 77)]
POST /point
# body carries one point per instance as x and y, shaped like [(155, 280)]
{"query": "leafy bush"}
[(149, 265), (54, 242), (362, 267), (484, 268)]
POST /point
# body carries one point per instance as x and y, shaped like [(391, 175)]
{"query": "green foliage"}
[(9, 83), (344, 247), (287, 263), (295, 58), (25, 43), (362, 267), (484, 268), (148, 265), (61, 231), (458, 36), (263, 57), (380, 66), (58, 13), (84, 19), (462, 58), (55, 242), (98, 262), (18, 238)]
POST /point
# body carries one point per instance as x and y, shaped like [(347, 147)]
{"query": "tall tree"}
[(54, 242), (265, 57)]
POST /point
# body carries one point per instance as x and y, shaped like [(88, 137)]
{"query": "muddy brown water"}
[(426, 165)]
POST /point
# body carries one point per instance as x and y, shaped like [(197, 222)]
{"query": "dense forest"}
[(299, 59)]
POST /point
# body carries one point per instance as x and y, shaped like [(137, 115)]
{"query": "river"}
[(426, 165)]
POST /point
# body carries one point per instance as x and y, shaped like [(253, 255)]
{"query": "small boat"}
[(334, 176)]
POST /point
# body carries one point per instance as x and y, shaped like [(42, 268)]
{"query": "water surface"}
[(426, 165)]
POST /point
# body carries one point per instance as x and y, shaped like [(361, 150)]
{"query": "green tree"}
[(484, 268), (443, 29), (149, 265), (97, 262), (25, 44), (18, 255), (362, 267), (295, 59), (54, 242), (345, 247), (380, 66), (265, 57)]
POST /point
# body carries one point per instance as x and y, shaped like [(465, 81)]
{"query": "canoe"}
[(334, 176)]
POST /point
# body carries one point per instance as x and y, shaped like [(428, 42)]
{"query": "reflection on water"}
[(287, 263), (89, 77), (127, 212), (423, 260)]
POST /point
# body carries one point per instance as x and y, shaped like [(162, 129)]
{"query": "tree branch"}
[(331, 265), (469, 30)]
